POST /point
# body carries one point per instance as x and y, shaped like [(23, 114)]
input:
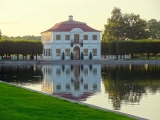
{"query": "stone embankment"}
[(108, 62)]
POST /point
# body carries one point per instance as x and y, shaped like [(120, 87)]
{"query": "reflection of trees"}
[(128, 83), (20, 73)]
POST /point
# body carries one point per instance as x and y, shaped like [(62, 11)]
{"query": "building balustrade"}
[(76, 41)]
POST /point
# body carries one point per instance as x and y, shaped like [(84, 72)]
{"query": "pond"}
[(132, 89)]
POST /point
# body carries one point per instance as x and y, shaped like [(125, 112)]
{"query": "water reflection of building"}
[(71, 81)]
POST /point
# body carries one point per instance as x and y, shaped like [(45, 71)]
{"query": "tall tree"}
[(134, 27), (113, 27), (124, 26), (154, 28)]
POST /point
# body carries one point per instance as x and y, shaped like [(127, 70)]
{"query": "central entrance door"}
[(76, 53)]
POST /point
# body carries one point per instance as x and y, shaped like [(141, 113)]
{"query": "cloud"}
[(8, 22)]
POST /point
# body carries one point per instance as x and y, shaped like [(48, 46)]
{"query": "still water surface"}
[(132, 89)]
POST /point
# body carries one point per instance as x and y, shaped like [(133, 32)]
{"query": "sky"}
[(31, 17)]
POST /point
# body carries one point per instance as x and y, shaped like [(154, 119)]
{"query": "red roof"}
[(69, 25)]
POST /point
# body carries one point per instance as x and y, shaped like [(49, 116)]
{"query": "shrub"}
[(90, 56), (72, 57), (63, 56), (82, 56)]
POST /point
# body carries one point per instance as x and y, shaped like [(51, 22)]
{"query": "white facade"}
[(67, 37), (68, 79)]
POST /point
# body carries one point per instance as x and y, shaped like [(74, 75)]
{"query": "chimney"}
[(70, 18)]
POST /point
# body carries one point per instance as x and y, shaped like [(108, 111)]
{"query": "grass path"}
[(20, 104)]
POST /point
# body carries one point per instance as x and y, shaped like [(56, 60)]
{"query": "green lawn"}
[(20, 104)]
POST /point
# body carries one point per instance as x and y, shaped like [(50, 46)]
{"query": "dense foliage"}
[(104, 48), (133, 47), (129, 27), (154, 28), (26, 37), (8, 47)]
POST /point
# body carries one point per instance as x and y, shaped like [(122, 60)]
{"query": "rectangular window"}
[(94, 37), (67, 71), (44, 52), (85, 52), (94, 51), (58, 72), (67, 52), (76, 38), (58, 52), (67, 87), (85, 71), (58, 37), (67, 37), (58, 87), (49, 52), (94, 86), (86, 86), (94, 71), (85, 37)]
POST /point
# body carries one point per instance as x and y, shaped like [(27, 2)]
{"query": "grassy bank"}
[(20, 104)]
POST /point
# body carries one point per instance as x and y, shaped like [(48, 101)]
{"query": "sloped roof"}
[(68, 25)]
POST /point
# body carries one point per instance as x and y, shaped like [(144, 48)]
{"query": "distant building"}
[(71, 36)]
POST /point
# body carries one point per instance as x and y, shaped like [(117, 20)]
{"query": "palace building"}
[(71, 37)]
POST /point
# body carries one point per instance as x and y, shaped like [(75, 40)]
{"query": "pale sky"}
[(31, 17)]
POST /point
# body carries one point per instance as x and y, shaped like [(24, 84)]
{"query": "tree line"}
[(26, 37), (24, 47), (140, 47)]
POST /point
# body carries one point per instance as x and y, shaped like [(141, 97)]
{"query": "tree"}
[(134, 27), (82, 56), (154, 28), (124, 27), (90, 56), (63, 56), (72, 57), (112, 28)]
